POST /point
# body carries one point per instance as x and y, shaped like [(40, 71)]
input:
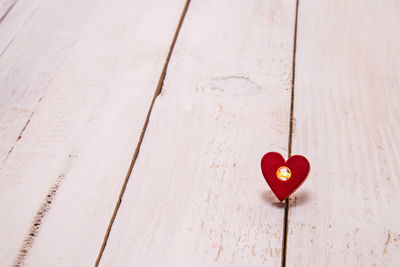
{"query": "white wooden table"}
[(131, 132)]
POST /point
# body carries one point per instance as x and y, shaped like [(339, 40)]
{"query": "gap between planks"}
[(291, 120), (7, 10), (136, 153)]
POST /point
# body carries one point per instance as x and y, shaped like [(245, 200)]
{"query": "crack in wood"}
[(387, 243), (37, 222), (18, 138), (40, 215), (21, 132)]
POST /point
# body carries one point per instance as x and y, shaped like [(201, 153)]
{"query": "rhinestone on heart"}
[(283, 173)]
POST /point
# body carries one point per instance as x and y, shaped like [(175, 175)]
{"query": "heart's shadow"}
[(297, 199), (270, 198)]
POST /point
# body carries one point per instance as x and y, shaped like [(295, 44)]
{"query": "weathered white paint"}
[(32, 46), (347, 111), (5, 7), (81, 138), (196, 196), (14, 15), (34, 41)]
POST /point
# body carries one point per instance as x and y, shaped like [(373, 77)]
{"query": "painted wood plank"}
[(5, 7), (196, 196), (347, 106), (60, 184), (31, 55), (14, 14)]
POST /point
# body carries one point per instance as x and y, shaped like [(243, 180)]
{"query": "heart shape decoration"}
[(284, 177)]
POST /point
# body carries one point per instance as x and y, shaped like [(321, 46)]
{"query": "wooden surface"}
[(194, 195), (77, 124), (33, 45), (347, 106), (31, 53), (62, 179)]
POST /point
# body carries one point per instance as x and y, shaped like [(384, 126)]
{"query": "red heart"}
[(296, 167)]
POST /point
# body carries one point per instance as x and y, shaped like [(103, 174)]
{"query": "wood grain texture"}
[(30, 57), (14, 14), (5, 8), (347, 106), (60, 184), (196, 196), (33, 44)]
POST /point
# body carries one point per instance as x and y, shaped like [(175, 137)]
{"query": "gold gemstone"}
[(283, 173)]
